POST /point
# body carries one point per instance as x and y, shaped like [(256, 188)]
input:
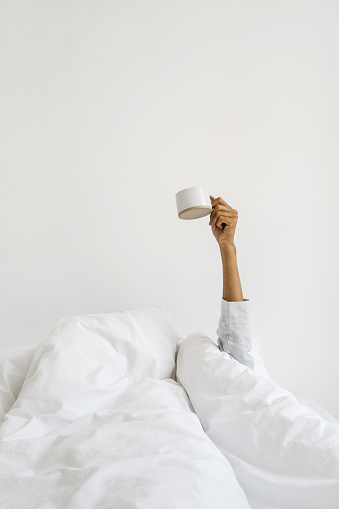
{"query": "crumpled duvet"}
[(118, 410), (284, 454), (90, 422)]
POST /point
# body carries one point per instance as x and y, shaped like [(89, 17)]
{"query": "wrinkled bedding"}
[(92, 417), (118, 410), (284, 454)]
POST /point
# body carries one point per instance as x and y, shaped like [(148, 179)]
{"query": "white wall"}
[(108, 108)]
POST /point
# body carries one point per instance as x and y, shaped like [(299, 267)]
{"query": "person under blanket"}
[(233, 332)]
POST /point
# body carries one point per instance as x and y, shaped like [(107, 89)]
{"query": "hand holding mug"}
[(223, 221)]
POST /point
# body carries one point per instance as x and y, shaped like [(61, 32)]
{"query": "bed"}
[(119, 410)]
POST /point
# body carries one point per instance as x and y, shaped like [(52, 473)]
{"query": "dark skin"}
[(223, 221)]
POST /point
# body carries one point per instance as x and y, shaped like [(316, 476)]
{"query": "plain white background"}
[(108, 108)]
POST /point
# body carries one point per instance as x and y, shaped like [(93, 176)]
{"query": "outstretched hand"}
[(223, 221)]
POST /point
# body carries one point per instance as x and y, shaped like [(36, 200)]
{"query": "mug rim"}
[(193, 187)]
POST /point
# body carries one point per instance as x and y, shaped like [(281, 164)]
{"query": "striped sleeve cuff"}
[(234, 335)]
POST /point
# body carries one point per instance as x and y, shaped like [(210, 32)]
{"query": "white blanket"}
[(284, 454), (93, 419)]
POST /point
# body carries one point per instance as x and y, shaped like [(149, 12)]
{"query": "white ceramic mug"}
[(193, 202)]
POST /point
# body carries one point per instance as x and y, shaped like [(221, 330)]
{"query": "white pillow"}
[(283, 453), (13, 370), (144, 339), (13, 351), (138, 342)]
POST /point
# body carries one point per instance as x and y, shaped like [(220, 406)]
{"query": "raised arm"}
[(224, 222), (234, 336)]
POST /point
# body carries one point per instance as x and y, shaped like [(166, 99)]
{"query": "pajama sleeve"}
[(234, 335)]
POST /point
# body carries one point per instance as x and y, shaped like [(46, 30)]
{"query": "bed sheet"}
[(90, 421), (94, 416), (284, 454)]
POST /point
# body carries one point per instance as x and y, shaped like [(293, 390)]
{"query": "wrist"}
[(228, 250)]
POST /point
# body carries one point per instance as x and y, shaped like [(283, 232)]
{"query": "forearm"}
[(232, 291)]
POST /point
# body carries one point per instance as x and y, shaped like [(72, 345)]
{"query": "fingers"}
[(224, 220), (219, 201), (220, 220), (222, 214)]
